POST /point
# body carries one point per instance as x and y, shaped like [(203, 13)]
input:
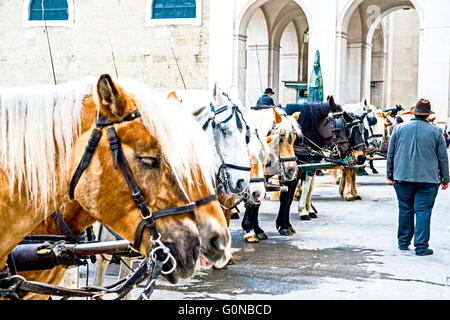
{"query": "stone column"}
[(274, 71), (366, 60), (434, 69), (240, 65), (257, 71)]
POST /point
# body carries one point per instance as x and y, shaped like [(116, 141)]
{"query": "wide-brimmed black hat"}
[(269, 90), (423, 108)]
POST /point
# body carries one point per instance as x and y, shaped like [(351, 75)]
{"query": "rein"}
[(13, 286)]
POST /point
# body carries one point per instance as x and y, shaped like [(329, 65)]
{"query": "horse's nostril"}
[(215, 243), (240, 184), (256, 194), (196, 252)]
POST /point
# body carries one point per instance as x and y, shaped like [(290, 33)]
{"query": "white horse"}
[(221, 119)]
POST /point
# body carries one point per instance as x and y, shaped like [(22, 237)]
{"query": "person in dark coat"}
[(417, 163), (266, 98)]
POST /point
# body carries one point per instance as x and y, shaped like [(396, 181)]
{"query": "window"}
[(51, 13), (174, 9), (53, 10), (173, 12)]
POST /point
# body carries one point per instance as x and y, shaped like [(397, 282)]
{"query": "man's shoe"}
[(403, 248), (425, 253)]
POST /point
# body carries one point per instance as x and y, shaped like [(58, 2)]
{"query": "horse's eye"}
[(149, 162)]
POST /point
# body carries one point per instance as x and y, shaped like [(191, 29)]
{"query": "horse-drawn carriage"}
[(164, 178)]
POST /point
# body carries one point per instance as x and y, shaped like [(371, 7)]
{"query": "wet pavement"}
[(348, 252)]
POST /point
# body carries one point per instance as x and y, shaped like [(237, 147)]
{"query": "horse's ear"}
[(173, 96), (296, 115), (109, 97), (347, 117), (331, 103), (273, 139), (278, 118), (216, 94)]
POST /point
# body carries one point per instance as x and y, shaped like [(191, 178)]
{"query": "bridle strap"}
[(233, 166), (96, 135), (84, 163), (205, 200), (120, 160), (147, 216), (287, 159), (256, 180), (64, 227)]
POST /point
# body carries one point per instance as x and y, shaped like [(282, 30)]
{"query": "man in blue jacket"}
[(417, 163), (266, 98)]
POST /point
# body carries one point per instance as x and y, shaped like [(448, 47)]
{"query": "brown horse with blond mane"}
[(44, 133)]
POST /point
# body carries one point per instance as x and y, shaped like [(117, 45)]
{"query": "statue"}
[(315, 90)]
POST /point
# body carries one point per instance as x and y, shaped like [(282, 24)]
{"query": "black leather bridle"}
[(355, 123), (148, 217), (222, 174), (337, 125)]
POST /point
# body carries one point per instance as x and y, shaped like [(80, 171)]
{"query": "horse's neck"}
[(76, 218), (16, 212)]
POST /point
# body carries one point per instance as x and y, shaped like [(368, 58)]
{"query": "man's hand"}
[(392, 181), (444, 186)]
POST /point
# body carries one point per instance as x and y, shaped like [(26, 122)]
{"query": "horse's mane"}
[(179, 135), (38, 126), (311, 114)]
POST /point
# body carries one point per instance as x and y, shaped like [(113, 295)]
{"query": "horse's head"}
[(355, 133), (229, 134), (333, 130), (258, 152), (281, 138), (212, 224), (131, 170)]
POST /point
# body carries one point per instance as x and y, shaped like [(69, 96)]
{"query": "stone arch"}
[(369, 13), (276, 20)]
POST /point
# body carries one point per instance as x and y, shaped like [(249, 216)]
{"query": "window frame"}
[(150, 22), (27, 23)]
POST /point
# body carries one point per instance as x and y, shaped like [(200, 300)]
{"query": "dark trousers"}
[(415, 199)]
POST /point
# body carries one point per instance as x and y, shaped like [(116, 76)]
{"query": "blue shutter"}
[(53, 10), (174, 9)]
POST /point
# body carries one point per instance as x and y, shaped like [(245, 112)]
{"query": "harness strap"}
[(206, 199), (287, 159), (84, 163), (64, 227), (136, 193)]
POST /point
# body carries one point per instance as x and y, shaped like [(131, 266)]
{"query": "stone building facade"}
[(97, 31), (416, 64), (386, 51)]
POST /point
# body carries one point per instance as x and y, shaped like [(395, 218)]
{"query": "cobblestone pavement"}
[(348, 252)]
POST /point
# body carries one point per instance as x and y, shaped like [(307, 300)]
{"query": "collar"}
[(418, 119)]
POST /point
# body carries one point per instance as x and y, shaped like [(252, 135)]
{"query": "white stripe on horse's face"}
[(231, 142)]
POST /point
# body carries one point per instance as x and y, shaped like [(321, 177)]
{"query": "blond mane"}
[(38, 126)]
